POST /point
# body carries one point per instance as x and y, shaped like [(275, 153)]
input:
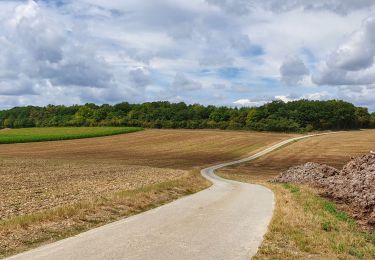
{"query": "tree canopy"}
[(295, 116)]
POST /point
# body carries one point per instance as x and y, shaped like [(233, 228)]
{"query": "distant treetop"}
[(295, 116)]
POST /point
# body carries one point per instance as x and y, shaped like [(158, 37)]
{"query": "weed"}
[(291, 188), (327, 226), (331, 208), (356, 252)]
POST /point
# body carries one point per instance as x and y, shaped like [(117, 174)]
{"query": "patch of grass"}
[(292, 188), (331, 208), (327, 226), (25, 135)]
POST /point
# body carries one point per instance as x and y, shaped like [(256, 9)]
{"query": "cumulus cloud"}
[(243, 7), (337, 77), (182, 83), (361, 95), (16, 87), (79, 68), (358, 51), (36, 33), (245, 102), (215, 58), (292, 71), (109, 51), (219, 86), (238, 7), (338, 6), (285, 98), (352, 63), (323, 95), (139, 77), (38, 47)]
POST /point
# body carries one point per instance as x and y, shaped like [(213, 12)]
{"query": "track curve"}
[(226, 221)]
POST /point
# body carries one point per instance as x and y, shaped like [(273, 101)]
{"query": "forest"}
[(279, 116)]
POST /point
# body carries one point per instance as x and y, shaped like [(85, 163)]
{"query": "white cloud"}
[(249, 103), (284, 98), (38, 46), (292, 71), (237, 7), (323, 95), (352, 63), (40, 52), (108, 51), (139, 77), (182, 83), (355, 54), (15, 87), (242, 7), (361, 95), (338, 6)]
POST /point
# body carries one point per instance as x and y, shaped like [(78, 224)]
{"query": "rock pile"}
[(353, 185), (308, 173)]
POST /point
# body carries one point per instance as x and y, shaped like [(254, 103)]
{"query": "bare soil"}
[(51, 190), (35, 185), (37, 176), (178, 149), (354, 185), (334, 150)]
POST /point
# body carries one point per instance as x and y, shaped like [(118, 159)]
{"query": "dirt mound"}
[(356, 186), (353, 185), (308, 173)]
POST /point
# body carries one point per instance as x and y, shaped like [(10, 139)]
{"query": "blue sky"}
[(221, 52)]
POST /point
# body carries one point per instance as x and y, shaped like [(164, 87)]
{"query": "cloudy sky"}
[(221, 52)]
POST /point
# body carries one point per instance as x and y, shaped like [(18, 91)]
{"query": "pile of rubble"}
[(353, 185), (308, 173)]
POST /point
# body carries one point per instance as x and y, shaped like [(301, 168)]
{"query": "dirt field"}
[(178, 149), (36, 185), (305, 225), (51, 190), (334, 150)]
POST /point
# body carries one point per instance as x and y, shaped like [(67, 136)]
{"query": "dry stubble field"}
[(305, 225), (51, 190)]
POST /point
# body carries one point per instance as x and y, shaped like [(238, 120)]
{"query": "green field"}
[(25, 135)]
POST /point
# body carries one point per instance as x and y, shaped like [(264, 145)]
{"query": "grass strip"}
[(25, 135)]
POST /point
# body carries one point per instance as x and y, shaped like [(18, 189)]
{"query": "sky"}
[(219, 52)]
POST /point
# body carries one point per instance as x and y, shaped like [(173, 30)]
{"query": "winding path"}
[(226, 221)]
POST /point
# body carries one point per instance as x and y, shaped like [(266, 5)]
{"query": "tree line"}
[(295, 116)]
